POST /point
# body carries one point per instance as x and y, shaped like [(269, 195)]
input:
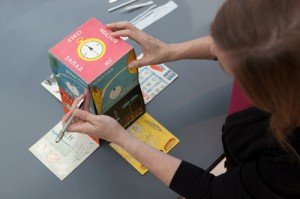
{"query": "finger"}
[(120, 25), (66, 117), (87, 98), (128, 33), (138, 63), (85, 116), (76, 119), (76, 101), (138, 37), (81, 127), (86, 92)]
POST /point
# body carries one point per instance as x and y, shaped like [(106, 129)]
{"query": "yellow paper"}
[(149, 131)]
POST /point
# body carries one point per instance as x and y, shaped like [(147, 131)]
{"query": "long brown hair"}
[(263, 39)]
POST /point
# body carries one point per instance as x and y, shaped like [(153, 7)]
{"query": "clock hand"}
[(96, 53), (91, 49)]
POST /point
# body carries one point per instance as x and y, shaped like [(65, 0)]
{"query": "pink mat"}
[(238, 100)]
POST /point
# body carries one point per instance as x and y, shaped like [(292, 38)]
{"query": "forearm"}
[(195, 49), (160, 164)]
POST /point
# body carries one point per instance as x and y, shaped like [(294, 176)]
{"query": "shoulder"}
[(275, 175)]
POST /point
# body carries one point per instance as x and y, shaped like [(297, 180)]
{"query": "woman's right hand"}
[(154, 51), (100, 126)]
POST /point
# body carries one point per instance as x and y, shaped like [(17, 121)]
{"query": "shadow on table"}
[(209, 105)]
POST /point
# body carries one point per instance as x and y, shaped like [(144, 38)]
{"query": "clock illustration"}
[(69, 85), (73, 89), (90, 49), (115, 92), (108, 93)]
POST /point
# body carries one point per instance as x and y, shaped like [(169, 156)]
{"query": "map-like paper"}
[(151, 132), (63, 157), (153, 79), (51, 85)]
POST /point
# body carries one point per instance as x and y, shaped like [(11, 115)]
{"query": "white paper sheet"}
[(157, 14), (50, 85), (63, 157), (154, 79), (154, 15)]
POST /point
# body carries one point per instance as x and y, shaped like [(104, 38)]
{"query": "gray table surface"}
[(193, 107)]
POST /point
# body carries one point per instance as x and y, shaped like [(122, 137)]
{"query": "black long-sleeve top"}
[(257, 167)]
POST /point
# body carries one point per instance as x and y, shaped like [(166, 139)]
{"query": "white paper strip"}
[(156, 14)]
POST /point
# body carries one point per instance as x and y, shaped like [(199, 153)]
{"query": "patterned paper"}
[(88, 51), (151, 132), (153, 79), (63, 157), (50, 85)]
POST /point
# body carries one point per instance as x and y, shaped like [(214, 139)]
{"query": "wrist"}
[(127, 142), (121, 136), (172, 52), (200, 48)]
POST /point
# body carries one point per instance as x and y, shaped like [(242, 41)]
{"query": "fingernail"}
[(75, 111)]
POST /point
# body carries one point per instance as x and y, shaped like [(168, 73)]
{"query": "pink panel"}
[(239, 100)]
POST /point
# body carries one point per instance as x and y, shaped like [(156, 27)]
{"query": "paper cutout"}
[(151, 132), (153, 79), (51, 85), (63, 157), (155, 14)]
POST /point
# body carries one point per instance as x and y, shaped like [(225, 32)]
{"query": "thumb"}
[(137, 63), (66, 117), (84, 115)]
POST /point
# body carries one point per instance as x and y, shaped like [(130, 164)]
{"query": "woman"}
[(257, 42)]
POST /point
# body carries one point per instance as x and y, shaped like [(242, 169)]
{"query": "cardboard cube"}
[(91, 59)]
